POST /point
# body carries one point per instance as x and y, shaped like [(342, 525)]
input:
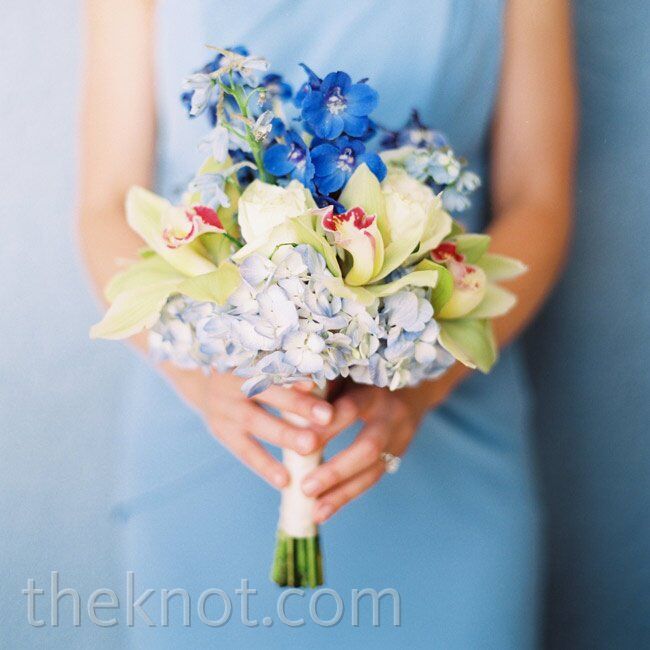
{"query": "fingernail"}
[(310, 486), (322, 413), (323, 511), (305, 442), (279, 479)]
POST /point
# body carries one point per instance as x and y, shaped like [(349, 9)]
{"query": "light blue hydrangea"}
[(283, 325)]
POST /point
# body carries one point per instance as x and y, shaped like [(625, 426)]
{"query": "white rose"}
[(422, 201), (263, 206), (411, 190)]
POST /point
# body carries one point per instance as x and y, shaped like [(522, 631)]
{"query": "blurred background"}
[(589, 350)]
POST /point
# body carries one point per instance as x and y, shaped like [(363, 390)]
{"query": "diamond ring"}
[(392, 462)]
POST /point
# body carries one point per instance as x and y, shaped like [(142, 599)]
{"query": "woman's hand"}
[(391, 421), (236, 420)]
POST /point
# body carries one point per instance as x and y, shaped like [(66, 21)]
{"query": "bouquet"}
[(311, 245)]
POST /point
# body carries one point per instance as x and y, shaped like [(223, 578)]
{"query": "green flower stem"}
[(256, 147), (297, 561), (232, 239)]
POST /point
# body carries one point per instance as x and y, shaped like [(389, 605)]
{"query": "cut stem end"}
[(297, 562)]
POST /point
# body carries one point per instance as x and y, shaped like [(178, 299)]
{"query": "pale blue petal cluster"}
[(455, 197), (283, 325), (211, 188), (439, 165), (441, 169)]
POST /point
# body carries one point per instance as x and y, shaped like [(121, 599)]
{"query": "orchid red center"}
[(208, 216), (356, 217), (447, 252)]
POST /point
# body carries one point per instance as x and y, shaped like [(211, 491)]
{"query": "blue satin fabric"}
[(455, 531)]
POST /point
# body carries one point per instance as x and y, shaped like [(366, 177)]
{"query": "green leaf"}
[(133, 311), (497, 302), (361, 294), (457, 228), (143, 213), (211, 166), (148, 272), (421, 278), (470, 341), (500, 267), (216, 286), (364, 190), (473, 246), (217, 246), (441, 293)]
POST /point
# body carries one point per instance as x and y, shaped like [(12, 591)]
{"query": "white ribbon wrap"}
[(296, 509)]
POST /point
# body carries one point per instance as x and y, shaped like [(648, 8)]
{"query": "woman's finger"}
[(346, 414), (368, 401), (314, 409), (361, 454), (342, 494), (253, 455), (281, 433)]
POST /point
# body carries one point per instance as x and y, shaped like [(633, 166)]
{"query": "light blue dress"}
[(455, 532)]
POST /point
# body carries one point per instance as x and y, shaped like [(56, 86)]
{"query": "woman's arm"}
[(533, 147), (117, 128), (117, 151), (533, 152)]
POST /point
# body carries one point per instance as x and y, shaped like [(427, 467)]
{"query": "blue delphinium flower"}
[(338, 106), (291, 158), (217, 143), (272, 86), (455, 197), (335, 161), (414, 133), (199, 90), (313, 83), (370, 132), (211, 189), (439, 165)]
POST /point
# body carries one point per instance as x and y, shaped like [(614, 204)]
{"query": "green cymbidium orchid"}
[(176, 262), (409, 216), (145, 214), (471, 341), (357, 233), (466, 330)]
